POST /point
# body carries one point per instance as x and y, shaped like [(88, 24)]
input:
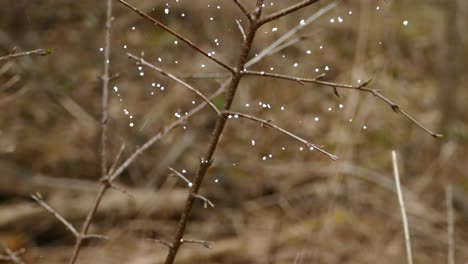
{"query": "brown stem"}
[(105, 185), (105, 90), (206, 160)]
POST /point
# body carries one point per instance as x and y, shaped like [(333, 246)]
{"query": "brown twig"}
[(180, 175), (117, 158), (177, 35), (40, 52), (285, 11), (105, 99), (361, 87), (204, 199), (268, 123), (206, 160), (171, 76), (68, 225), (242, 8), (207, 244), (105, 89)]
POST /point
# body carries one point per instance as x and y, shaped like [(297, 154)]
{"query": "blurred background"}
[(275, 201)]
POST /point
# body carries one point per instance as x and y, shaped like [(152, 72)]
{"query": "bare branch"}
[(286, 11), (117, 158), (186, 85), (203, 198), (360, 87), (105, 89), (177, 35), (40, 52), (282, 130), (189, 183), (402, 207), (241, 29), (67, 224), (207, 244), (242, 8), (105, 185)]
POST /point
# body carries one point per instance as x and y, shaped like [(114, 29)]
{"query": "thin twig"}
[(450, 225), (241, 29), (207, 244), (105, 89), (177, 35), (162, 242), (402, 207), (169, 75), (268, 123), (203, 198), (189, 183), (117, 158), (40, 52), (361, 87), (242, 8), (67, 224), (285, 11)]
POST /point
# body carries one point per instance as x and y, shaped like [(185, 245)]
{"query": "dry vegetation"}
[(273, 201)]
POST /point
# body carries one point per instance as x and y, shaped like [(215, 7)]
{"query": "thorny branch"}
[(40, 52), (177, 35), (361, 87)]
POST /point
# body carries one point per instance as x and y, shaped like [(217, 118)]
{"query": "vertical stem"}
[(402, 207), (450, 225), (105, 184), (105, 90), (206, 161)]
